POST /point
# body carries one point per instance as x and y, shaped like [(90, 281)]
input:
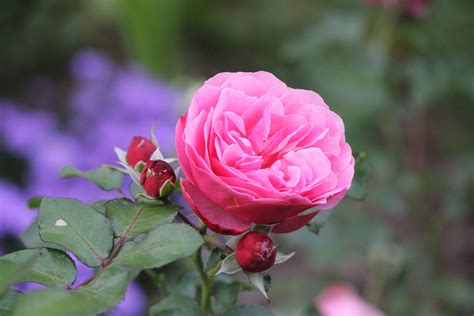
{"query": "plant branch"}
[(205, 282)]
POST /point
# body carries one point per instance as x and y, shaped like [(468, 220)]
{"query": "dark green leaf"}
[(176, 305), (167, 243), (318, 222), (226, 296), (7, 301), (248, 310), (104, 177), (50, 267), (98, 296), (358, 189), (130, 219), (178, 186), (77, 227), (99, 206), (14, 272), (215, 256), (35, 202), (31, 238)]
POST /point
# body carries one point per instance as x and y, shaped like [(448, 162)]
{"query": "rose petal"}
[(293, 223), (214, 216)]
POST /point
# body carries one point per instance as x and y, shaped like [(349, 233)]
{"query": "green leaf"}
[(163, 245), (51, 302), (14, 272), (99, 206), (215, 256), (50, 267), (248, 310), (226, 296), (106, 290), (358, 189), (176, 305), (178, 186), (7, 301), (35, 202), (100, 295), (130, 219), (317, 223), (261, 281), (104, 177), (77, 227), (31, 238)]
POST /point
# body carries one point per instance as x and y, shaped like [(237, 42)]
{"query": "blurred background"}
[(80, 77)]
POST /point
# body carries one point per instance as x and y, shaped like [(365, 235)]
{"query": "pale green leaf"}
[(261, 281), (77, 227), (130, 219), (50, 267), (162, 245), (229, 265), (104, 177)]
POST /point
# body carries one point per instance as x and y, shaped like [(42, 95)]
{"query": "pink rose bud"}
[(255, 252), (158, 178), (140, 149)]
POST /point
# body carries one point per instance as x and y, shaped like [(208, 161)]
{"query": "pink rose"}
[(256, 151), (342, 300)]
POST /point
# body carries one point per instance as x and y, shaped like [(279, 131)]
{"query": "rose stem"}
[(205, 281)]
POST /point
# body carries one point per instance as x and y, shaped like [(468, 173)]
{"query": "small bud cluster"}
[(157, 177)]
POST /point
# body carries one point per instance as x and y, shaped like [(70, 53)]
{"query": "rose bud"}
[(255, 252), (158, 178), (140, 149)]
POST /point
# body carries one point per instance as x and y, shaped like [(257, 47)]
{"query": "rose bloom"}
[(257, 151), (341, 300)]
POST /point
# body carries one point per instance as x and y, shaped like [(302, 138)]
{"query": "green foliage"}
[(77, 227), (101, 294), (262, 281), (7, 301), (130, 219), (214, 258), (104, 177), (14, 272), (358, 189), (176, 305), (34, 202), (163, 245), (31, 238), (248, 310), (50, 267), (226, 295), (317, 223)]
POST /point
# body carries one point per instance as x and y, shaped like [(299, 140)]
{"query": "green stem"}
[(205, 282)]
